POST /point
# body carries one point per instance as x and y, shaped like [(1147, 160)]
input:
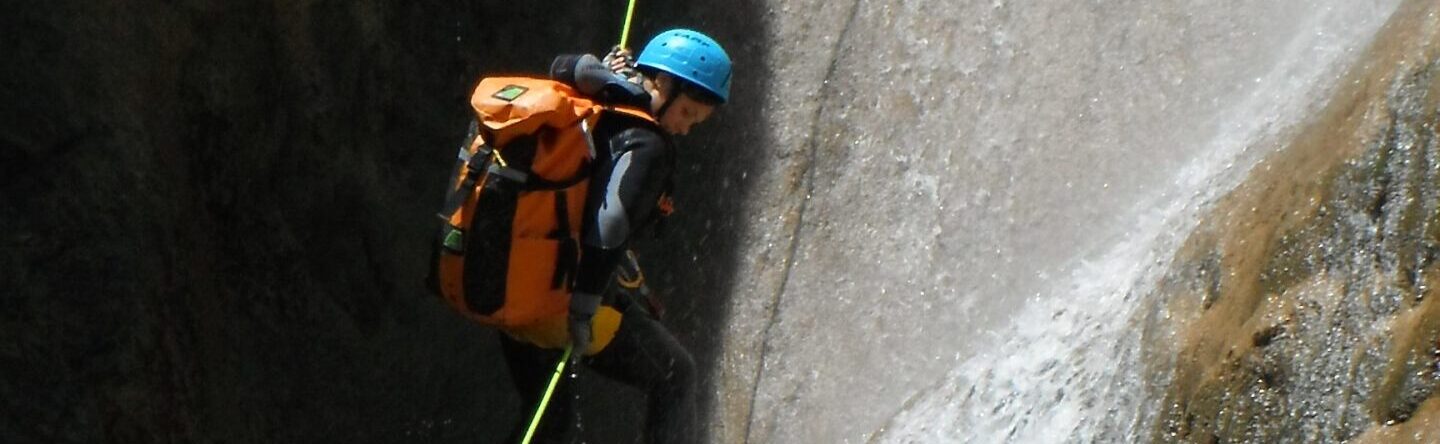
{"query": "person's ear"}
[(663, 82)]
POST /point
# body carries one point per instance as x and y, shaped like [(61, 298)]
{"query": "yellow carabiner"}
[(495, 154)]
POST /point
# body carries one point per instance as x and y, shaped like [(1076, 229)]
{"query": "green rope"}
[(625, 32), (549, 390)]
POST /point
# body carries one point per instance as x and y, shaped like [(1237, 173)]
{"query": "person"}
[(682, 76)]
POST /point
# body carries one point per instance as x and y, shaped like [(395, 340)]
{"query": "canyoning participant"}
[(548, 292)]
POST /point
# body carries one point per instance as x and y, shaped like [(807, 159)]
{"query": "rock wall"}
[(216, 215), (1304, 307), (959, 158)]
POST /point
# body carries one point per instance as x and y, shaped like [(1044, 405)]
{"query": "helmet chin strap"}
[(669, 99)]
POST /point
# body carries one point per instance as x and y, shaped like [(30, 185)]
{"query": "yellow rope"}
[(545, 401), (625, 32)]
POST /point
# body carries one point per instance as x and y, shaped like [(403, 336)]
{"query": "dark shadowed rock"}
[(217, 215)]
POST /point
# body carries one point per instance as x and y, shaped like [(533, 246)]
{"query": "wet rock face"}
[(215, 216), (1304, 308)]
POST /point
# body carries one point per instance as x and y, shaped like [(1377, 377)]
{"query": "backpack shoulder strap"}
[(633, 112)]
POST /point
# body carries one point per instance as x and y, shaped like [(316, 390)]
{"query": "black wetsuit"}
[(632, 169)]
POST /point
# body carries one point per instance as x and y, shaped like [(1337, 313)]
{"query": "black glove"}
[(582, 309), (595, 79), (622, 62)]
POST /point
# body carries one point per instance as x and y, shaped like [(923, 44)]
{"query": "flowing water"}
[(1069, 366)]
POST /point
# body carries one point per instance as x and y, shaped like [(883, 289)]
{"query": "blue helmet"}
[(692, 56)]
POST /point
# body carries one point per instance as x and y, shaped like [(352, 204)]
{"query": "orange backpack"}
[(514, 207)]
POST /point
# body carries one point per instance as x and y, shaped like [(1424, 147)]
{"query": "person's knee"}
[(682, 372)]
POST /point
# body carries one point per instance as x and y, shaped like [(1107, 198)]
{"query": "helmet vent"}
[(690, 56)]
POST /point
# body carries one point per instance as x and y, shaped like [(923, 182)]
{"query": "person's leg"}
[(530, 369), (645, 355)]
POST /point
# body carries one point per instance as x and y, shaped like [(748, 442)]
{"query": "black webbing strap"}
[(473, 168), (567, 258), (537, 183)]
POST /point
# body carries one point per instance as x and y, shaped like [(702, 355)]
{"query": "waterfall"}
[(1069, 366)]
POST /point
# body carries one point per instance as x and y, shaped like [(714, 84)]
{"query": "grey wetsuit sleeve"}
[(623, 194)]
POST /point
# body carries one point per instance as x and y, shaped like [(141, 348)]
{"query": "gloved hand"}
[(622, 61), (582, 310)]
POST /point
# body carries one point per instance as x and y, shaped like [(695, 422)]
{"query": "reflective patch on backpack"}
[(454, 240), (510, 92)]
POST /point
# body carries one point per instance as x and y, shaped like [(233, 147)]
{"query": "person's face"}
[(686, 112), (683, 114)]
